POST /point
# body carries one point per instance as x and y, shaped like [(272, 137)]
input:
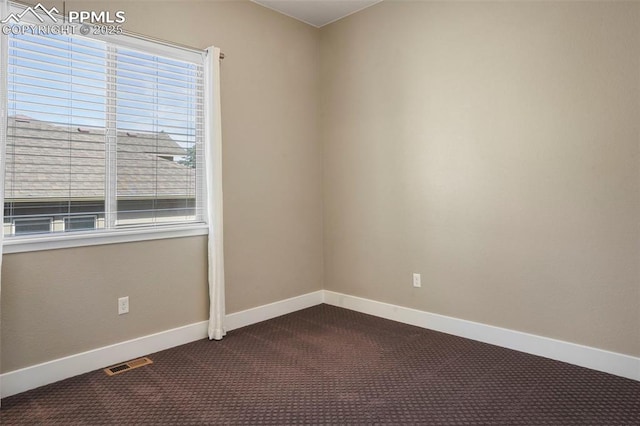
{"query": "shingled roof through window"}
[(45, 161)]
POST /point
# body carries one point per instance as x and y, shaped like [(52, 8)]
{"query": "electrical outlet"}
[(123, 305), (416, 280)]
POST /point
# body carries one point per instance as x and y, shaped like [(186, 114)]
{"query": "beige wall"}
[(61, 302), (493, 148)]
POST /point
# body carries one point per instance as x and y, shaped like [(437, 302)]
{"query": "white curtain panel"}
[(213, 164)]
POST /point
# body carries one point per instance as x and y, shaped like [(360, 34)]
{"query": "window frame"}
[(83, 238), (68, 219), (31, 219), (28, 243)]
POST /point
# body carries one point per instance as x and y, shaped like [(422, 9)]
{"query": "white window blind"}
[(101, 136)]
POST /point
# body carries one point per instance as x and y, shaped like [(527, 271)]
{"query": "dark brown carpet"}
[(326, 365)]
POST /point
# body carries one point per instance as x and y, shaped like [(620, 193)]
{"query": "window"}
[(102, 134), (80, 223), (32, 225)]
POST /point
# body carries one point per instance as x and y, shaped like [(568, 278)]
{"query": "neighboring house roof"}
[(53, 162)]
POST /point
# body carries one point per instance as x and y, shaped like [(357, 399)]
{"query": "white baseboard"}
[(584, 356), (35, 376), (272, 310), (38, 375)]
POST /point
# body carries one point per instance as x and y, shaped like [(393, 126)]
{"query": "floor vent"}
[(126, 366)]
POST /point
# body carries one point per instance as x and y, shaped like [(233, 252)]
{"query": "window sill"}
[(53, 242)]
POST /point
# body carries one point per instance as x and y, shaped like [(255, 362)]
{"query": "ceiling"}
[(317, 12)]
